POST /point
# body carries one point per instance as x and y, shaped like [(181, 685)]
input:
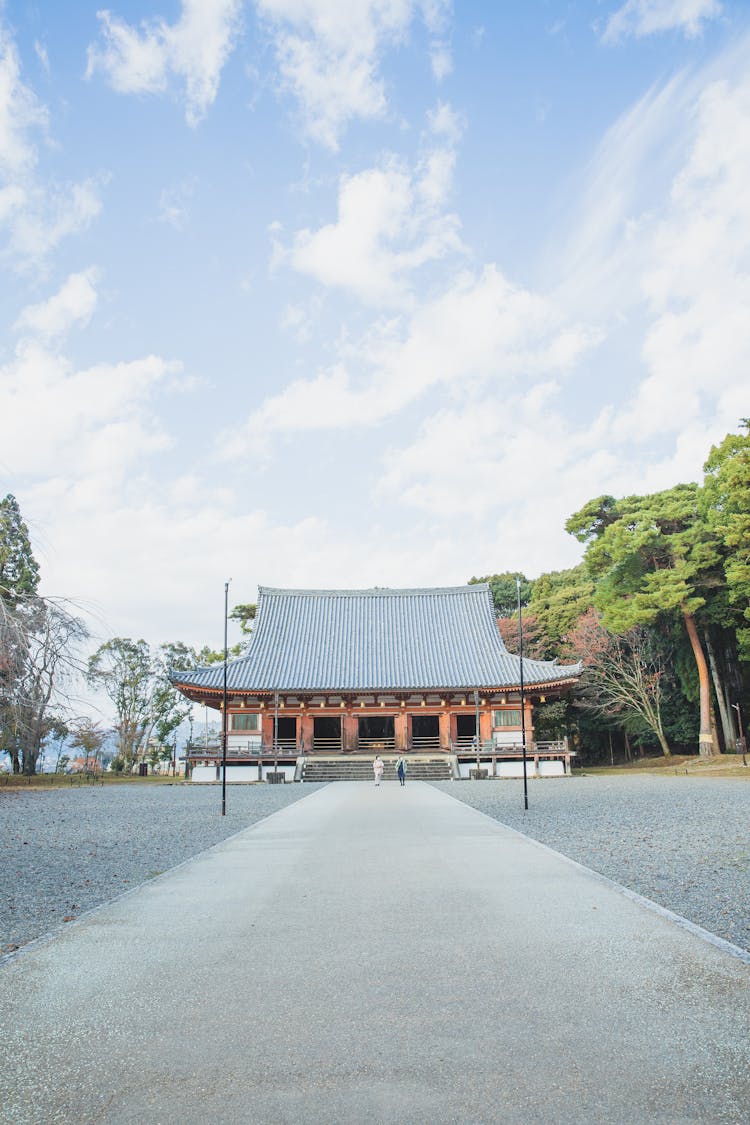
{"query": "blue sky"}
[(359, 292)]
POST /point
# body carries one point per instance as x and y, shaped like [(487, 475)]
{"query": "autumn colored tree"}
[(88, 737), (623, 675)]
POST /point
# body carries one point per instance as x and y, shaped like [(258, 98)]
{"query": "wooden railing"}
[(326, 745), (378, 745), (425, 742), (466, 742)]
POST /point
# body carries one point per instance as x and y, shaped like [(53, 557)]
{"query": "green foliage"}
[(648, 555), (559, 598), (245, 614), (505, 590), (212, 656), (662, 556), (136, 680), (675, 563), (726, 509), (552, 720), (19, 570)]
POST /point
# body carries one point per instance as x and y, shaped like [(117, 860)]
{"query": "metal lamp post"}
[(476, 731), (523, 709), (743, 744), (276, 736), (224, 708)]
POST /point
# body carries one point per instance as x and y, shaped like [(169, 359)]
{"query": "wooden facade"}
[(365, 646)]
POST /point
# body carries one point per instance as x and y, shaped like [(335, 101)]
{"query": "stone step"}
[(361, 770)]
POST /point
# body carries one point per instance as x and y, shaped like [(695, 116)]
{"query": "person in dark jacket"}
[(401, 769)]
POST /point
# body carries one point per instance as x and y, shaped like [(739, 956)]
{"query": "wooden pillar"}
[(399, 729), (445, 730), (529, 723), (485, 727), (349, 730), (306, 730), (266, 729)]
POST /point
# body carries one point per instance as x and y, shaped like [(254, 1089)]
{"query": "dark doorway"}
[(287, 733), (466, 726), (327, 733), (425, 732), (376, 732)]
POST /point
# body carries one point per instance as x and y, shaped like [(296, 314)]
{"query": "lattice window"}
[(506, 718)]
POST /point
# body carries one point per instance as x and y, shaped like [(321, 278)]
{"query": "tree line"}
[(43, 665), (658, 611)]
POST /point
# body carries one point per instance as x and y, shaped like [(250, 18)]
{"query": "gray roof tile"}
[(375, 640)]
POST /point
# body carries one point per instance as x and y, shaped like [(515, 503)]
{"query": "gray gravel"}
[(682, 842), (66, 851)]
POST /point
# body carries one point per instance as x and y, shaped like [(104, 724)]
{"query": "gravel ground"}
[(682, 842), (66, 851)]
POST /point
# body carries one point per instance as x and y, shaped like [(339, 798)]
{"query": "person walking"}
[(401, 768), (378, 766)]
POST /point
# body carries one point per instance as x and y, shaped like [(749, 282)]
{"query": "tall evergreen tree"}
[(726, 508), (19, 570), (652, 556)]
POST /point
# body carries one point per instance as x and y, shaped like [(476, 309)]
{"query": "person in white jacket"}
[(378, 766)]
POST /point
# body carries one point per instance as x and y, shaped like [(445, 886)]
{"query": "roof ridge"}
[(375, 591)]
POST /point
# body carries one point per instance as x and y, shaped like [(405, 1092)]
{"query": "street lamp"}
[(224, 708), (523, 709), (276, 736), (476, 731), (743, 744)]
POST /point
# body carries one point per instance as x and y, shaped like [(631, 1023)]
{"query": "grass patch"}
[(723, 765), (75, 780)]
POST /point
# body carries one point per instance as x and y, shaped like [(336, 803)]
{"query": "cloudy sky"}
[(359, 292)]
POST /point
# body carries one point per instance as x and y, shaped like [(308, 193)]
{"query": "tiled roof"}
[(375, 640)]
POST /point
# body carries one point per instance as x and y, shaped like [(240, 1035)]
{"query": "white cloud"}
[(174, 204), (192, 50), (20, 111), (631, 170), (300, 319), (503, 472), (696, 280), (329, 51), (647, 17), (181, 543), (441, 60), (445, 122), (482, 329), (389, 224), (43, 215), (87, 425), (34, 216), (41, 53), (74, 303)]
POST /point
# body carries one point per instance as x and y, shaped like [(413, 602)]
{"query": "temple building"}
[(347, 673)]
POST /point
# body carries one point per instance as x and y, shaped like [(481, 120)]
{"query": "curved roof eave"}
[(376, 640)]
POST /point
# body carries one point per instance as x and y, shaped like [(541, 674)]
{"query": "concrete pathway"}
[(375, 955)]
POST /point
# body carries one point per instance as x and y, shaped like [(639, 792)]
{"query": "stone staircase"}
[(358, 767)]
